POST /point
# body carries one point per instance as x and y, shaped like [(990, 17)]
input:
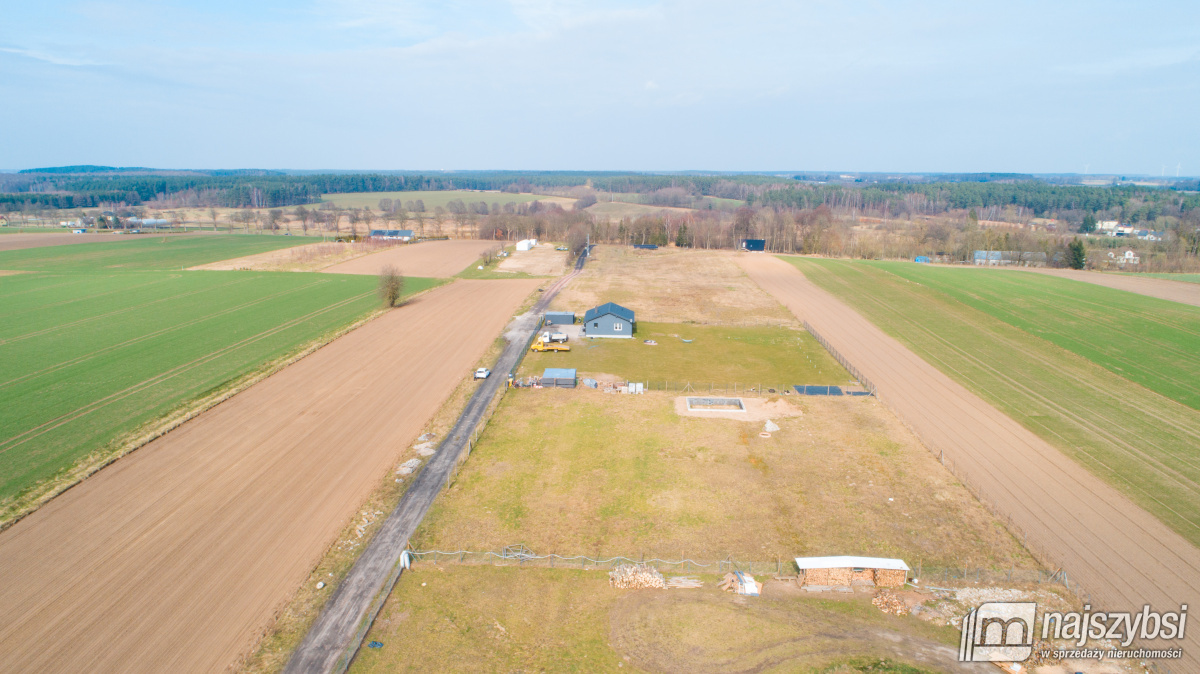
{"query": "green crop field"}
[(1153, 342), (1101, 374), (432, 199), (771, 356), (170, 251), (89, 356)]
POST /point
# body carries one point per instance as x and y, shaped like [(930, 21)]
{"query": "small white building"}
[(526, 244), (1126, 257)]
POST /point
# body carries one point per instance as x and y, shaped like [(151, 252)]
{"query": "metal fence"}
[(840, 358), (519, 555)]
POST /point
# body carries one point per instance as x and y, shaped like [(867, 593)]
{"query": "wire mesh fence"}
[(840, 358), (519, 555)]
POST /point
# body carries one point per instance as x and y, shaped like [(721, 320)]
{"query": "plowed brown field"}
[(437, 259), (1117, 552), (174, 558), (1165, 289)]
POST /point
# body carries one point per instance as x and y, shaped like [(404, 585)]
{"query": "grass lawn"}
[(432, 199), (771, 356), (1054, 371), (170, 251), (581, 472), (466, 618), (86, 358)]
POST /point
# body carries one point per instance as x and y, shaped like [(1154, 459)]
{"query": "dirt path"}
[(176, 557), (1165, 289), (1119, 553), (437, 259), (21, 241)]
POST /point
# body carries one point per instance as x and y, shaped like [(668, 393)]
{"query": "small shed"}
[(559, 377), (754, 245), (392, 234), (609, 320), (846, 571), (921, 259), (526, 244), (560, 318)]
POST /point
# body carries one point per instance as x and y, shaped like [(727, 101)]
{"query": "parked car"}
[(483, 373)]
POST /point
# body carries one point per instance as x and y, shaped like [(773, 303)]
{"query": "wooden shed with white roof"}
[(846, 571)]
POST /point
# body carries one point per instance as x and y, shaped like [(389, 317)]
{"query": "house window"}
[(617, 327), (595, 325)]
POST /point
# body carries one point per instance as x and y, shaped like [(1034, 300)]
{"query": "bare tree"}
[(391, 285)]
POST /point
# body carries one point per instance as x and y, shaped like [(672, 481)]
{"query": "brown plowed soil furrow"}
[(1117, 552), (174, 558), (436, 259), (1164, 289)]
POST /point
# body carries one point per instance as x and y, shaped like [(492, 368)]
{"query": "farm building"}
[(846, 571), (526, 244), (558, 377), (392, 234), (560, 318), (608, 320), (754, 245), (993, 258)]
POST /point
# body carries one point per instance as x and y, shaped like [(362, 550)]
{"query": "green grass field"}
[(432, 199), (506, 619), (1079, 365), (170, 251), (771, 356), (1153, 342), (89, 355), (580, 471)]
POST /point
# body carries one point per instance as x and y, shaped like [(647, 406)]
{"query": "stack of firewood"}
[(889, 603), (627, 576)]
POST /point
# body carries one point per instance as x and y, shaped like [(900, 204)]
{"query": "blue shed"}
[(754, 245), (559, 377), (560, 318), (608, 320), (921, 259)]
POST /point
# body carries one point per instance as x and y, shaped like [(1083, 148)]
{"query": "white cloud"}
[(54, 59)]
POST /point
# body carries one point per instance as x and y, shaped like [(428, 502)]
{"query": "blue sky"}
[(1107, 87)]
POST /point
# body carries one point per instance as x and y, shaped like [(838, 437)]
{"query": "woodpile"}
[(889, 603), (631, 576), (684, 582)]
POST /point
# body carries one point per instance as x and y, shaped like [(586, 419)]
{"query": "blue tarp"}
[(819, 390)]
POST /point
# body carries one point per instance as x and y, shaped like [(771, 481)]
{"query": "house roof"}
[(609, 308), (850, 563), (559, 373)]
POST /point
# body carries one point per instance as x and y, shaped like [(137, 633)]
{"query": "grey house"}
[(608, 320)]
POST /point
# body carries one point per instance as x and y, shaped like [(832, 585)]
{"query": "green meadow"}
[(99, 339), (719, 355), (1108, 377)]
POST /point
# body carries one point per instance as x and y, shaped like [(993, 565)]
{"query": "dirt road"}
[(20, 241), (1166, 289), (174, 558), (1116, 551), (438, 259)]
